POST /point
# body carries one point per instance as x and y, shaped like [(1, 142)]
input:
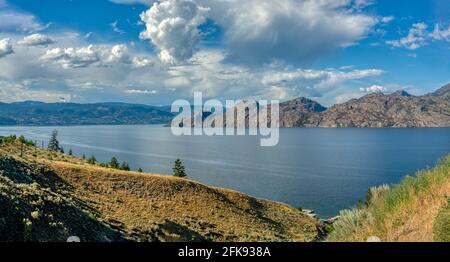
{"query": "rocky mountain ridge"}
[(398, 110)]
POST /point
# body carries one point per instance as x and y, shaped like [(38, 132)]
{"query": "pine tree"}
[(140, 170), (125, 166), (114, 163), (53, 143), (84, 156), (70, 152), (22, 139), (61, 150), (178, 169), (92, 160)]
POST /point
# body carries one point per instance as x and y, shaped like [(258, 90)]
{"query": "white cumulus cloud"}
[(98, 55), (73, 57), (259, 31), (141, 61), (5, 47), (119, 53), (172, 26), (37, 40)]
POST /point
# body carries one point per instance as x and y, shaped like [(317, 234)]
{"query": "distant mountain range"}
[(399, 109), (44, 114)]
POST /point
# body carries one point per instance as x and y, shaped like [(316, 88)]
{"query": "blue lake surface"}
[(322, 169)]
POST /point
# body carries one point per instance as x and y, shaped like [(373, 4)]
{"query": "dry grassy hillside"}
[(49, 196), (416, 210)]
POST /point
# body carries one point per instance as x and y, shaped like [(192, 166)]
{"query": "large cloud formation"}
[(259, 31), (5, 47), (72, 69), (172, 26), (297, 31)]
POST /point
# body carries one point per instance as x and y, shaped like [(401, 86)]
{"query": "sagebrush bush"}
[(349, 222), (441, 228), (376, 193), (388, 209)]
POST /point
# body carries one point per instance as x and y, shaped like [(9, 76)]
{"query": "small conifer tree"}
[(178, 169), (114, 163), (22, 139), (92, 160), (125, 166), (53, 143)]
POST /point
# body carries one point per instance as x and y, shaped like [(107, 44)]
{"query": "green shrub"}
[(376, 193), (92, 217), (441, 227), (328, 228), (125, 166), (349, 222), (27, 228), (8, 139), (396, 203), (35, 214), (114, 163), (92, 160)]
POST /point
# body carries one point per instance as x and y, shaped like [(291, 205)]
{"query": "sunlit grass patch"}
[(404, 212), (441, 227)]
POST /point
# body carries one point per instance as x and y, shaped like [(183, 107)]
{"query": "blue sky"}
[(134, 51)]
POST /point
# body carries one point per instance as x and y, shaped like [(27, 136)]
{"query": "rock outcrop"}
[(299, 112), (398, 110)]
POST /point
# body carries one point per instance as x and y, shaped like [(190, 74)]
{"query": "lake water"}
[(322, 169)]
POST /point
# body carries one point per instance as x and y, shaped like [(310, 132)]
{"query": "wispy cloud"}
[(140, 91), (115, 28), (132, 2), (419, 36), (373, 89)]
